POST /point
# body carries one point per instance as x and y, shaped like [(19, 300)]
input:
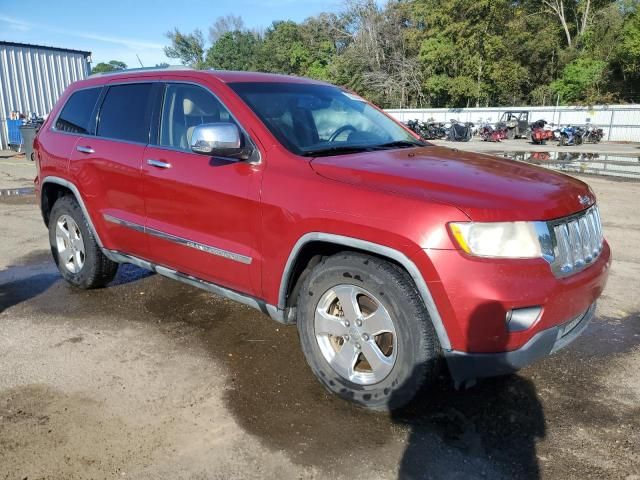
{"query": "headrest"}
[(199, 104)]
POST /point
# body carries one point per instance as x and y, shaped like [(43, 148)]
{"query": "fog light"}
[(520, 319)]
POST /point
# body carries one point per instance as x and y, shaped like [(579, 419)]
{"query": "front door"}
[(203, 212)]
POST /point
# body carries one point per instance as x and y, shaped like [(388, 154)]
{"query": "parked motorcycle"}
[(429, 130), (435, 130), (490, 134), (540, 133), (570, 135), (460, 132), (593, 134)]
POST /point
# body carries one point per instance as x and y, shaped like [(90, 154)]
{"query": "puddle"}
[(16, 192), (604, 164), (17, 196)]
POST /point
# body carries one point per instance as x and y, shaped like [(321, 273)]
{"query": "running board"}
[(274, 312)]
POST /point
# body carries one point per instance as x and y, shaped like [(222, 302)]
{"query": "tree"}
[(234, 51), (226, 24), (283, 49), (455, 53), (188, 48), (111, 66), (581, 81)]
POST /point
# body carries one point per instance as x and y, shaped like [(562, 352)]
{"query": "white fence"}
[(620, 122)]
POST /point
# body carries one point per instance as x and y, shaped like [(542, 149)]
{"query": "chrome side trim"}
[(76, 193), (118, 221), (236, 257), (385, 251), (239, 297)]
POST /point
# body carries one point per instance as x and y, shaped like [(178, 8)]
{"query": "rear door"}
[(203, 212), (75, 121), (108, 165)]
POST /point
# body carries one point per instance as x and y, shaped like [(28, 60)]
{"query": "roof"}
[(229, 76), (225, 76), (43, 47)]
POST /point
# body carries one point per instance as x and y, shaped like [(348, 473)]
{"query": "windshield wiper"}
[(400, 144), (338, 150)]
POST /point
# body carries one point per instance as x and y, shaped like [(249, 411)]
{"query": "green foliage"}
[(234, 51), (188, 48), (454, 53), (283, 49), (581, 81), (111, 66), (630, 48)]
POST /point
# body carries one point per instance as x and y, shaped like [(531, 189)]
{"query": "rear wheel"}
[(74, 247), (365, 331)]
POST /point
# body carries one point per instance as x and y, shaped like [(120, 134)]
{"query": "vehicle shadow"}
[(486, 431), (36, 273)]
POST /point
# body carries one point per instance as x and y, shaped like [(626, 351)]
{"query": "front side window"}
[(184, 108), (76, 114), (311, 119), (125, 113)]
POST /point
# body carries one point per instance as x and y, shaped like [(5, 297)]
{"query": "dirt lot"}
[(153, 379)]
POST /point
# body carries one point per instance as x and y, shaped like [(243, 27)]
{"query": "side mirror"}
[(221, 139)]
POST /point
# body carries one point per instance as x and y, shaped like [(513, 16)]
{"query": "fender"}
[(71, 186), (376, 248)]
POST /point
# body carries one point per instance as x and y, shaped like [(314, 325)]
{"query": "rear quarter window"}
[(76, 113), (126, 112)]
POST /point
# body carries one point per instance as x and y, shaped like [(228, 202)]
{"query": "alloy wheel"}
[(356, 334), (70, 244)]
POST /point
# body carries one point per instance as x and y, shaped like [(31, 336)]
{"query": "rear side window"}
[(125, 113), (76, 114)]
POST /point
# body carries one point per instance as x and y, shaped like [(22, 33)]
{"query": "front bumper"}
[(465, 366)]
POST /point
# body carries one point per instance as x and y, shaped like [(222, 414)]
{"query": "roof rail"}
[(144, 69)]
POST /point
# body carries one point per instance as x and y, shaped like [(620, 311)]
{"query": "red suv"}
[(310, 204)]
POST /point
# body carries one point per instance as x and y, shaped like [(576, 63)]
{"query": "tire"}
[(75, 250), (411, 353), (563, 141)]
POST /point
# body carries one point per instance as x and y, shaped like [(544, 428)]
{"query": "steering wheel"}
[(340, 130)]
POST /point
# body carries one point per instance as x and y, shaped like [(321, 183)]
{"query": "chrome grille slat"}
[(586, 239), (577, 241)]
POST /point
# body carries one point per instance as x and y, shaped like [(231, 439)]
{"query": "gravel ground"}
[(149, 378)]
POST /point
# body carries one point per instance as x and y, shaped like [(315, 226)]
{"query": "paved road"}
[(149, 378)]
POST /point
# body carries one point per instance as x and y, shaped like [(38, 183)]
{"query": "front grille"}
[(577, 241)]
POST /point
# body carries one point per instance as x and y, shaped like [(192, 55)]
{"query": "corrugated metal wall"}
[(620, 122), (33, 78)]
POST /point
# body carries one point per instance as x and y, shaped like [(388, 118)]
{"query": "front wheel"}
[(74, 247), (365, 331)]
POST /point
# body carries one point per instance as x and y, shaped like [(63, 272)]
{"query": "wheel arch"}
[(312, 246), (56, 187)]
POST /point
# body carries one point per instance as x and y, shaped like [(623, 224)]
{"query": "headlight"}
[(498, 239)]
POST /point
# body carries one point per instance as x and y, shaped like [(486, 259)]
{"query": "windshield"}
[(314, 120)]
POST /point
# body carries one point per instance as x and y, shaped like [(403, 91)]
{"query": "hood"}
[(484, 187)]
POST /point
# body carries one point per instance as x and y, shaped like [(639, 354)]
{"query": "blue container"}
[(15, 137)]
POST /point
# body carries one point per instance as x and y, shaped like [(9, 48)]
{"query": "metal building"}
[(32, 78)]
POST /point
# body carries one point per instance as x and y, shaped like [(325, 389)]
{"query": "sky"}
[(120, 29)]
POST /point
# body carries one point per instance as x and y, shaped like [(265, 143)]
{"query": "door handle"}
[(158, 163), (82, 149)]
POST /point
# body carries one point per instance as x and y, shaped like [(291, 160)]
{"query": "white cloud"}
[(133, 44), (16, 24), (125, 42)]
